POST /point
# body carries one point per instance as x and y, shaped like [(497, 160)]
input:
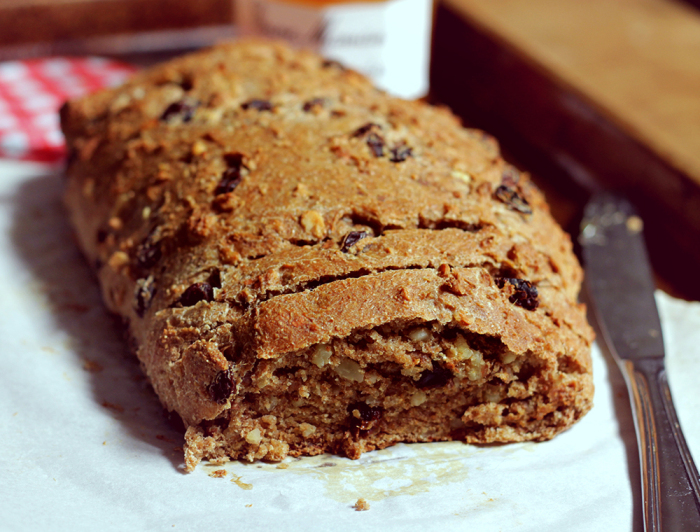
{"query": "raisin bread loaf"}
[(308, 265)]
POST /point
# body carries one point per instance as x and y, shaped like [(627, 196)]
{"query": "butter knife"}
[(620, 283)]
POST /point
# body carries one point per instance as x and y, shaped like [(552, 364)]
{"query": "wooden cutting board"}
[(32, 21), (595, 92), (142, 31)]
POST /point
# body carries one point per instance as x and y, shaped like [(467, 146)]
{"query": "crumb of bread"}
[(112, 406), (361, 505), (219, 473), (92, 366)]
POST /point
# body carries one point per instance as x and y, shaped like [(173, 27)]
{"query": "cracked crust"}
[(308, 265)]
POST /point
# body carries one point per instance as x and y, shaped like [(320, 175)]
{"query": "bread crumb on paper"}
[(219, 473), (113, 406), (361, 505), (92, 367)]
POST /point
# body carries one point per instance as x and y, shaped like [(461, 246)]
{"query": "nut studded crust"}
[(308, 265)]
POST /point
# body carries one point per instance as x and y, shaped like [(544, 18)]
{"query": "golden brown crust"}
[(309, 265)]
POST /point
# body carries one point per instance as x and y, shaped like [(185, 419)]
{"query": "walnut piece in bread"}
[(308, 265)]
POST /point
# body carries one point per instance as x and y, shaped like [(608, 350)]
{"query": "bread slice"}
[(308, 265)]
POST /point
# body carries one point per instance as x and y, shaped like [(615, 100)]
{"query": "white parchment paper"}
[(85, 444)]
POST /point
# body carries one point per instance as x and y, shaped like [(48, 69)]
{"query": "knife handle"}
[(670, 481)]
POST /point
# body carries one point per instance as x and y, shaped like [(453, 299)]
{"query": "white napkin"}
[(86, 445)]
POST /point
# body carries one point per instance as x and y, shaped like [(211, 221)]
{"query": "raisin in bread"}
[(308, 265)]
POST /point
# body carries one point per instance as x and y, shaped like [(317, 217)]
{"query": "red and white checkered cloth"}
[(32, 92)]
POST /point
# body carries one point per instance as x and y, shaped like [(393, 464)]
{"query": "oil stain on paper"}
[(388, 473)]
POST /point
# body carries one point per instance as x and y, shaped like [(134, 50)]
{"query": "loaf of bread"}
[(305, 264)]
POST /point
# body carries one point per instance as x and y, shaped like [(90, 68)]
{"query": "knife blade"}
[(620, 283)]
